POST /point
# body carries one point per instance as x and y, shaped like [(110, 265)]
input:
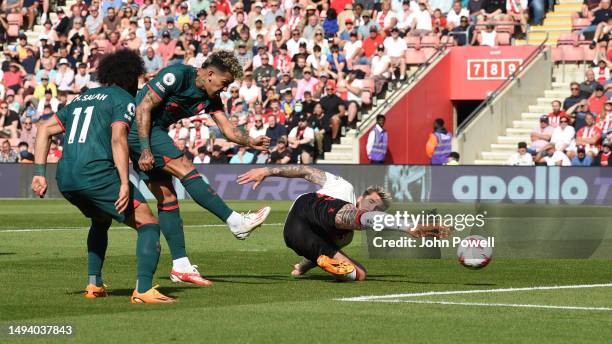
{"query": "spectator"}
[(601, 73), (597, 100), (274, 130), (587, 87), (28, 132), (367, 26), (306, 84), (281, 154), (395, 48), (604, 121), (578, 113), (9, 121), (377, 144), (439, 144), (25, 156), (55, 153), (455, 15), (152, 62), (202, 156), (381, 64), (581, 158), (7, 154), (492, 10), (588, 136), (48, 100), (563, 135), (371, 44), (488, 37), (301, 141), (575, 97), (599, 16), (319, 122), (521, 157), (218, 156), (265, 71), (552, 157), (258, 129), (64, 77), (198, 135), (453, 159), (178, 132), (603, 158), (249, 91), (335, 109), (353, 51), (81, 79), (242, 157), (224, 43), (463, 32), (244, 56), (422, 23), (166, 48), (555, 116), (540, 135), (286, 83), (181, 144)]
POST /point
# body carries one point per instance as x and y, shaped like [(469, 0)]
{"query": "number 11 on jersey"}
[(75, 123)]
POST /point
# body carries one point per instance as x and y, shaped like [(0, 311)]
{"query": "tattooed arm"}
[(237, 135), (347, 218), (143, 118), (258, 175)]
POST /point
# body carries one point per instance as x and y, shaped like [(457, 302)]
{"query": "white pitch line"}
[(512, 305), (120, 227), (473, 291)]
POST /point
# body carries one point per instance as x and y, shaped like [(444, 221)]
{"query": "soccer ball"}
[(474, 252)]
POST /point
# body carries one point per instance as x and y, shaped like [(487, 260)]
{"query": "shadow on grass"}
[(6, 253)]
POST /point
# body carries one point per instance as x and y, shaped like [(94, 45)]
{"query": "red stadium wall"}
[(465, 73)]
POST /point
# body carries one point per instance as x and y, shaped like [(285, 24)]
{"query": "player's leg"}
[(171, 226), (140, 217), (97, 241), (203, 194), (308, 243)]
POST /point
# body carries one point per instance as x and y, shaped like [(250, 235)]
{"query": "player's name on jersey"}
[(88, 97), (429, 242)]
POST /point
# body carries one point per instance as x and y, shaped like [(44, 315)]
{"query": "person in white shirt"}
[(563, 135), (201, 157), (198, 135), (488, 37), (421, 25), (179, 132), (293, 44), (552, 157), (521, 157), (258, 128), (64, 76), (381, 64), (453, 18), (396, 47), (353, 50), (249, 91), (301, 141)]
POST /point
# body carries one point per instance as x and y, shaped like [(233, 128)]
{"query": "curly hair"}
[(121, 68), (224, 61)]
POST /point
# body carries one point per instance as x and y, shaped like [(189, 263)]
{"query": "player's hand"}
[(256, 175), (260, 143), (39, 186), (146, 160), (123, 199)]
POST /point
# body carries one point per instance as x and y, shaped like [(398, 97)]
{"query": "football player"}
[(320, 223), (182, 91), (93, 171)]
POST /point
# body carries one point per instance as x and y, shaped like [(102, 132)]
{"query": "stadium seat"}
[(572, 53), (428, 52), (430, 42), (15, 20), (589, 54), (414, 57), (413, 42), (557, 54), (566, 38), (503, 38), (505, 26), (368, 89)]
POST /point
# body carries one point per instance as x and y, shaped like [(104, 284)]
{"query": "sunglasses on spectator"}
[(574, 88), (306, 72), (234, 92), (3, 107), (329, 89), (277, 34), (258, 121), (564, 121)]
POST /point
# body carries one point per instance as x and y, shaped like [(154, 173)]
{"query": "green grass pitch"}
[(254, 300)]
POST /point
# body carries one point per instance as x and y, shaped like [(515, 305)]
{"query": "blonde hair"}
[(385, 196)]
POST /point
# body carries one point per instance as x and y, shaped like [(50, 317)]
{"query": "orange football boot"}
[(151, 296)]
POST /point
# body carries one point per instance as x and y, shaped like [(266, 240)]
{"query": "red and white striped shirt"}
[(589, 132), (553, 119), (604, 123)]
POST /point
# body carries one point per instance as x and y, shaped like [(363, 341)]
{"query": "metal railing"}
[(392, 97), (493, 95)]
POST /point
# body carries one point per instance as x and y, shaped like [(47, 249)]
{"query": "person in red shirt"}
[(556, 114), (372, 42), (13, 78), (597, 100), (166, 47), (224, 6), (589, 136)]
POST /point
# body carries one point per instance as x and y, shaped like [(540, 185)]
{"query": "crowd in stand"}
[(578, 131), (311, 66)]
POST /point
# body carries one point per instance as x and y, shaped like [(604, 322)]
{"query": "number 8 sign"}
[(498, 69)]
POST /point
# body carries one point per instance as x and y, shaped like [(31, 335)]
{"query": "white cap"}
[(43, 37), (63, 61)]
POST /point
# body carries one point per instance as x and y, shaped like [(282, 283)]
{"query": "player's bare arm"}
[(46, 130), (237, 135), (121, 159), (143, 118), (258, 175)]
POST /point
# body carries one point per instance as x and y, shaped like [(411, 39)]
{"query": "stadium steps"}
[(499, 152), (342, 153), (555, 23), (37, 30)]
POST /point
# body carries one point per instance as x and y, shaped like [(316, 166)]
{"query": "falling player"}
[(320, 223), (93, 171), (182, 91)]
